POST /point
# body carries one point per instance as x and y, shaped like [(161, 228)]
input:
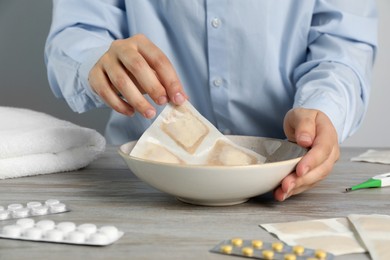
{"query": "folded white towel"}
[(34, 143)]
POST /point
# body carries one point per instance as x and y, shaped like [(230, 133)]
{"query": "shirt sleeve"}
[(81, 32), (335, 78)]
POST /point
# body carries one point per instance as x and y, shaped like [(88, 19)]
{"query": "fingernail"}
[(285, 196), (305, 138), (179, 99), (162, 100), (150, 113)]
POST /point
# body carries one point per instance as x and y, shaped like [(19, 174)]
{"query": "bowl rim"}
[(264, 165)]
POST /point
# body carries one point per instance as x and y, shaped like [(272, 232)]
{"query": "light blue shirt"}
[(243, 64)]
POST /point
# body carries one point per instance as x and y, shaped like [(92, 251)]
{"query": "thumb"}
[(300, 126)]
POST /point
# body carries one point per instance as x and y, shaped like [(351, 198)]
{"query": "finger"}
[(300, 126), (160, 63), (285, 187), (144, 75), (102, 86), (324, 145), (124, 85)]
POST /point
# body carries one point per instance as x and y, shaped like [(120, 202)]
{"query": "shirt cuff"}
[(323, 101), (91, 57)]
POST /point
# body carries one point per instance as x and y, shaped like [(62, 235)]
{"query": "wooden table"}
[(157, 226)]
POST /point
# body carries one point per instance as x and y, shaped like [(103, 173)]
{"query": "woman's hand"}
[(312, 129), (130, 68)]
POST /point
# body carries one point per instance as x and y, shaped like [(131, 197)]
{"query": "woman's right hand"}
[(130, 68)]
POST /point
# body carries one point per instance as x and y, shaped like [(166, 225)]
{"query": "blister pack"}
[(257, 249), (63, 232), (181, 135), (33, 208)]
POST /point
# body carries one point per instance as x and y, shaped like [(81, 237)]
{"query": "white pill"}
[(51, 202), (25, 223), (76, 237), (33, 204), (33, 233), (66, 227), (98, 238), (45, 225), (56, 208), (13, 207), (87, 229), (110, 231), (4, 214), (54, 235), (20, 213), (1, 208), (12, 231), (40, 210)]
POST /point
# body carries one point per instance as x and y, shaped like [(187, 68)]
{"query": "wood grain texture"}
[(157, 226)]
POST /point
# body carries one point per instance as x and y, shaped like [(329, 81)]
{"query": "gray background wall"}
[(24, 26)]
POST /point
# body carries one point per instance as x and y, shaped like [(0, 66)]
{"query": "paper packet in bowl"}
[(181, 135)]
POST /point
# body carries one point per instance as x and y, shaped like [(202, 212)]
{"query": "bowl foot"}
[(212, 202)]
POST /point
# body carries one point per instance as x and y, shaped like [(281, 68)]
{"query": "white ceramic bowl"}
[(220, 185)]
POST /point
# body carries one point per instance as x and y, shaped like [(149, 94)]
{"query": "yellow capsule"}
[(247, 251), (298, 250), (226, 249), (268, 254), (312, 258), (321, 254), (290, 257), (237, 241), (277, 246), (257, 244)]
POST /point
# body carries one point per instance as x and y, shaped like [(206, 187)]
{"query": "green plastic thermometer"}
[(377, 181)]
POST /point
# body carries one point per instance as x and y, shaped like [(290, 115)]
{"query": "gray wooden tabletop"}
[(157, 226)]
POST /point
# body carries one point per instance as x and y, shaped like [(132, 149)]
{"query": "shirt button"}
[(217, 82), (216, 22)]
